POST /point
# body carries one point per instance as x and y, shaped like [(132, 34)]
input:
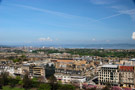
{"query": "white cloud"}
[(133, 36), (125, 11), (107, 40), (109, 16), (119, 7), (44, 10), (93, 39), (61, 14), (121, 11), (130, 12), (45, 39)]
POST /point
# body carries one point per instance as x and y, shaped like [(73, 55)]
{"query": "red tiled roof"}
[(127, 68)]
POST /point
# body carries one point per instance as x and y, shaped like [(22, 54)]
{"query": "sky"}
[(67, 22)]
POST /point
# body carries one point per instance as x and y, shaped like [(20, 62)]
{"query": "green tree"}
[(4, 78), (35, 82), (12, 82), (27, 83), (16, 60), (59, 82), (20, 82), (49, 70), (66, 87), (10, 88), (52, 79), (53, 82), (44, 87)]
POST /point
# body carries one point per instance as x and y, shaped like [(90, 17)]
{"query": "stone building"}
[(126, 76), (108, 74), (117, 75)]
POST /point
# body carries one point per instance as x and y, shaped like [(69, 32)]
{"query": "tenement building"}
[(44, 70), (108, 75), (126, 76), (117, 75), (37, 71)]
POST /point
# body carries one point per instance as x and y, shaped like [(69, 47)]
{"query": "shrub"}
[(44, 87)]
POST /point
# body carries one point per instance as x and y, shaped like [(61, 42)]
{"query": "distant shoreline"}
[(80, 46)]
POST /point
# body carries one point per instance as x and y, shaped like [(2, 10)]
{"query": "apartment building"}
[(126, 76), (38, 71), (43, 70), (117, 75), (108, 74)]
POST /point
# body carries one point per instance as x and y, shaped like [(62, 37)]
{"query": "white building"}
[(108, 74), (68, 78)]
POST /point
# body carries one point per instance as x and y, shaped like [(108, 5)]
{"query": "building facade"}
[(108, 74), (117, 75), (126, 76)]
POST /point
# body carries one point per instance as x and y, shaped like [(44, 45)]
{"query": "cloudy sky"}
[(67, 21)]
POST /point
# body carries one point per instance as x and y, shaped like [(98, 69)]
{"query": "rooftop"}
[(110, 66), (133, 59), (127, 68)]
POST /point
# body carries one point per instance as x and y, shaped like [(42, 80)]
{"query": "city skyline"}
[(67, 22)]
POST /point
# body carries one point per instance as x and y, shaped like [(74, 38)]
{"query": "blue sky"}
[(66, 21)]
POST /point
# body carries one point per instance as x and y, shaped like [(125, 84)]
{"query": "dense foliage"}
[(10, 88), (49, 70), (92, 52), (26, 83)]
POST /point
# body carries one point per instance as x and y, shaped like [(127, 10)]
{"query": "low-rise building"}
[(70, 79)]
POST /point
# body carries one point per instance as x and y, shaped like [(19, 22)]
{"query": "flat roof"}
[(110, 66), (133, 59), (65, 61)]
